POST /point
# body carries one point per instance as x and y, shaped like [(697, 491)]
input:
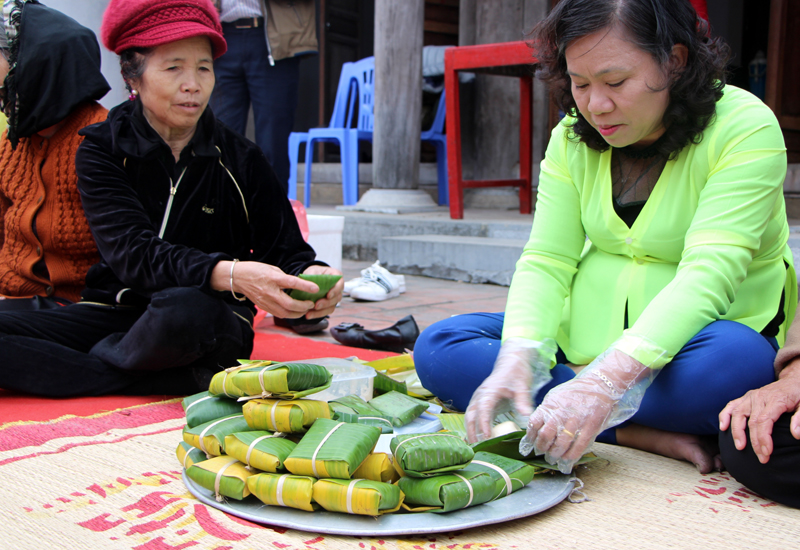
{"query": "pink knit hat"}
[(148, 23)]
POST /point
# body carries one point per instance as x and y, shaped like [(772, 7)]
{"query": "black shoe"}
[(303, 325), (397, 338)]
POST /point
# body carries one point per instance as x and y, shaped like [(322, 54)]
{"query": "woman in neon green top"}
[(659, 243)]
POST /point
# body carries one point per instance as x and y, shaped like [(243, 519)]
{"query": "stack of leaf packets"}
[(255, 432)]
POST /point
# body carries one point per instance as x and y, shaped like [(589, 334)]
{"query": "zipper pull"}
[(271, 60)]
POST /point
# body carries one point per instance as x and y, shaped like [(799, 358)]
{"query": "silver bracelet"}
[(243, 298), (608, 382)]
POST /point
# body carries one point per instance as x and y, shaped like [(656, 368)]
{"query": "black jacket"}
[(227, 204)]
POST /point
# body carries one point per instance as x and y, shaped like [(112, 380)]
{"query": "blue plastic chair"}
[(356, 81), (435, 134)]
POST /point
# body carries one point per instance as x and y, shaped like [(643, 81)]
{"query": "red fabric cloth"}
[(149, 23), (275, 345), (701, 8)]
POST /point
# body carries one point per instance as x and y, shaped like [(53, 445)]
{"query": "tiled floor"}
[(428, 300)]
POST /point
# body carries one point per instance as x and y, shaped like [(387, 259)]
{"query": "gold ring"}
[(569, 433)]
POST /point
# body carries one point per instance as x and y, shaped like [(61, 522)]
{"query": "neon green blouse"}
[(710, 243)]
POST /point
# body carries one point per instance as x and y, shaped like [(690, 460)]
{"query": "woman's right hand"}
[(521, 369), (264, 285)]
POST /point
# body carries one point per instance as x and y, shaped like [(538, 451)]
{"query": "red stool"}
[(504, 59)]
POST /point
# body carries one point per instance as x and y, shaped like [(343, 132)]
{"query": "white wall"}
[(89, 13)]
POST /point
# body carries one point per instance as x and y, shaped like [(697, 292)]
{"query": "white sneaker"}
[(376, 284)]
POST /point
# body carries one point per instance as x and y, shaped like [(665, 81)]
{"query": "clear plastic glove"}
[(522, 368), (604, 394)]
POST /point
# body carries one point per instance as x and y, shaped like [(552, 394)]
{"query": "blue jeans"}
[(722, 362), (244, 76)]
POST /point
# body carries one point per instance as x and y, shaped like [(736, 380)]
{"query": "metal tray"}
[(545, 491)]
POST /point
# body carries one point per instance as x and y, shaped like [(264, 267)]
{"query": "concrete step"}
[(458, 258), (363, 231)]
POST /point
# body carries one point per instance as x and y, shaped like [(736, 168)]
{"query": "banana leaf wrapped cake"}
[(189, 455), (261, 450), (281, 380), (277, 415), (210, 437), (358, 496), (332, 449), (284, 490), (424, 455), (204, 407), (446, 492), (401, 408), (222, 385), (508, 474), (353, 409), (377, 467), (224, 475)]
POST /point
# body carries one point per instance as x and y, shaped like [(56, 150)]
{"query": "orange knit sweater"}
[(41, 212)]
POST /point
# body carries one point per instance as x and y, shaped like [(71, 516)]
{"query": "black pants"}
[(172, 347), (778, 479)]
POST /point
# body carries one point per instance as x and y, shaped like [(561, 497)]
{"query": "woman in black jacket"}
[(192, 227)]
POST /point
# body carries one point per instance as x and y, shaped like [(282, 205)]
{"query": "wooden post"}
[(398, 93)]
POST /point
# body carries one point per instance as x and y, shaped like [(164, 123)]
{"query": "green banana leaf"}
[(377, 467), (332, 449), (353, 404), (281, 380), (188, 455), (231, 483), (203, 407), (358, 496), (401, 408), (383, 383), (508, 445), (379, 421), (209, 437), (453, 423), (508, 474), (284, 490), (222, 385), (261, 450), (446, 492), (425, 455), (277, 415), (325, 282)]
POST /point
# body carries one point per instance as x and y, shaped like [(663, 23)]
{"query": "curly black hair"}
[(655, 26), (132, 64)]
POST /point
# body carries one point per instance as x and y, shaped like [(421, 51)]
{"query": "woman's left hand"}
[(325, 306), (574, 413)]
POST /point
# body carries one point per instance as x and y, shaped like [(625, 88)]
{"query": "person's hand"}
[(763, 406), (522, 367), (325, 306), (264, 285), (574, 413)]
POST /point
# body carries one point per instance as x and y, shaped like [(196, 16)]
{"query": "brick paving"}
[(428, 300)]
